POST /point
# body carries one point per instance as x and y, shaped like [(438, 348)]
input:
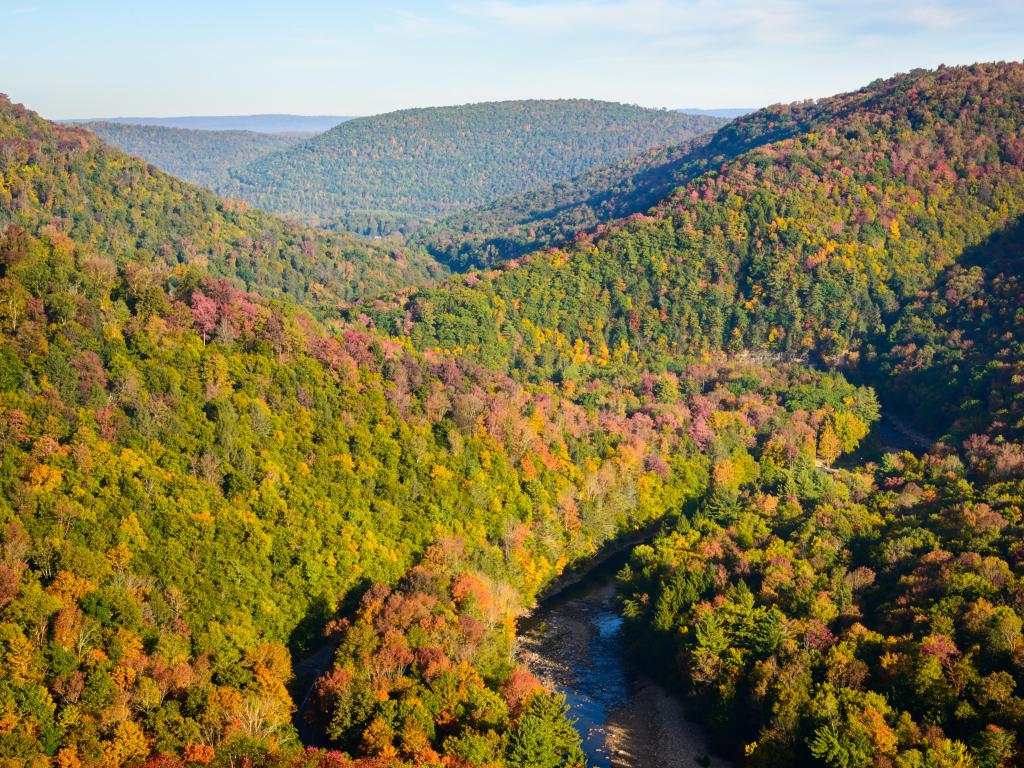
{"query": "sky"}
[(96, 58)]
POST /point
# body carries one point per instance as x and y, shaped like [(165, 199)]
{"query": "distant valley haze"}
[(268, 123), (274, 123)]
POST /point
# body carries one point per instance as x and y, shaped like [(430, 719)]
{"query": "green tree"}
[(544, 737)]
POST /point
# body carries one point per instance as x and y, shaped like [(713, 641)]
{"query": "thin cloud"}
[(413, 25), (713, 23), (632, 16), (936, 16), (661, 23)]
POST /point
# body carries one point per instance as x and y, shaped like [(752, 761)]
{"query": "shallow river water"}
[(574, 642)]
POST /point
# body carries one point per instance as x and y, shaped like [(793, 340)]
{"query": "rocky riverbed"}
[(574, 643)]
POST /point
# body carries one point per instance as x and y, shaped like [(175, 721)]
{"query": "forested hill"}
[(512, 226), (66, 178), (554, 215), (953, 359), (202, 157), (866, 617), (422, 163), (198, 482), (812, 242)]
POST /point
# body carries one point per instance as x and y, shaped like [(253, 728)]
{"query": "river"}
[(574, 642)]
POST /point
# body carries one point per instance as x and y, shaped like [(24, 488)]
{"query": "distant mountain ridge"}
[(385, 173), (269, 123), (729, 113), (202, 157)]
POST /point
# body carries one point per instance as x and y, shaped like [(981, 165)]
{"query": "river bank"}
[(574, 642)]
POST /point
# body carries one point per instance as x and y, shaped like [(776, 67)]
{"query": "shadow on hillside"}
[(948, 389), (313, 655)]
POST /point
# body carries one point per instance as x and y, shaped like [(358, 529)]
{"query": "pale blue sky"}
[(86, 58)]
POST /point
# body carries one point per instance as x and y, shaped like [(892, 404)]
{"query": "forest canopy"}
[(390, 173), (202, 157), (228, 441)]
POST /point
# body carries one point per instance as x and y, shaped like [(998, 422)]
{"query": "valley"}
[(610, 445), (393, 173)]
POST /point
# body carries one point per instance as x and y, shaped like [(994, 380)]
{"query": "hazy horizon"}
[(119, 118)]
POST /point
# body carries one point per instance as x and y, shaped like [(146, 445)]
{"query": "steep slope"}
[(404, 166), (555, 215), (193, 478), (953, 360), (808, 245), (201, 157), (873, 623), (65, 177)]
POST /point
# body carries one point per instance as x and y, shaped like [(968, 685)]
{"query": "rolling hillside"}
[(201, 480), (201, 157), (65, 178), (376, 174)]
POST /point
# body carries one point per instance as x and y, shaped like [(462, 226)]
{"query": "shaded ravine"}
[(306, 673), (574, 642)]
